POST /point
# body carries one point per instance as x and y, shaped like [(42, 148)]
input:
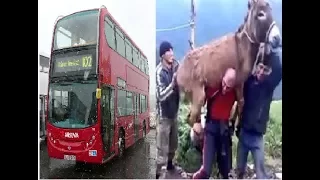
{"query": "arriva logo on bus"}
[(71, 135)]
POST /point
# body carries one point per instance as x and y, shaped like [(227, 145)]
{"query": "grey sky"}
[(137, 17)]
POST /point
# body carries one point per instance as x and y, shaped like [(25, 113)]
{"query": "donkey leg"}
[(188, 100), (198, 97), (187, 97), (240, 102)]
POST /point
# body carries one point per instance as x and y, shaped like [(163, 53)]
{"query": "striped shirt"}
[(167, 93)]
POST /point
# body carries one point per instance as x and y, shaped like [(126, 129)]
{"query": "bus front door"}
[(108, 119), (42, 117)]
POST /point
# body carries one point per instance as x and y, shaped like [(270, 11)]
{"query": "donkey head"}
[(257, 25), (259, 20)]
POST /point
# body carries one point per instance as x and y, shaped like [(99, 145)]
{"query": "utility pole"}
[(192, 25)]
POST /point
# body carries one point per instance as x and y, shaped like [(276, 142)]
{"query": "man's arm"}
[(274, 40), (234, 113), (275, 49), (176, 65), (276, 75), (175, 69), (163, 91)]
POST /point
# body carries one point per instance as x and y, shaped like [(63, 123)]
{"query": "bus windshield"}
[(73, 104), (78, 29)]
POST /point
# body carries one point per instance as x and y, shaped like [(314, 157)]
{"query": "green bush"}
[(187, 157), (190, 159), (273, 137)]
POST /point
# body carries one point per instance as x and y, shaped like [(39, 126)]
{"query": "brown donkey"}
[(206, 65)]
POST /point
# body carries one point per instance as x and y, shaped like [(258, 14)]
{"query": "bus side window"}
[(142, 103), (147, 67), (110, 33), (138, 60), (121, 48), (128, 50), (122, 102), (138, 103), (144, 66), (135, 57), (141, 63), (129, 104)]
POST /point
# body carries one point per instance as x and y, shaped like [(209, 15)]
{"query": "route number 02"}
[(87, 61)]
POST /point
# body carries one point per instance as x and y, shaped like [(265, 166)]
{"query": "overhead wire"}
[(174, 28)]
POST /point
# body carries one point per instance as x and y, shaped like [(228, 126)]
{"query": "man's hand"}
[(197, 128), (174, 79)]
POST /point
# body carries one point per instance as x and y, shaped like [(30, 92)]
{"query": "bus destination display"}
[(73, 63)]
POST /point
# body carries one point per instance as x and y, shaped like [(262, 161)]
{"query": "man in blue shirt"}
[(258, 93), (167, 94)]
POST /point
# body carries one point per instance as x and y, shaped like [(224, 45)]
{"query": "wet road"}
[(137, 163)]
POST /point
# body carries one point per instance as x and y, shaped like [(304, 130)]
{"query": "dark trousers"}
[(216, 145), (225, 161)]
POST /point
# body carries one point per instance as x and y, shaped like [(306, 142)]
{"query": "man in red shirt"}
[(216, 132)]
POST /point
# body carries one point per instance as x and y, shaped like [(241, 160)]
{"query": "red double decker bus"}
[(98, 89)]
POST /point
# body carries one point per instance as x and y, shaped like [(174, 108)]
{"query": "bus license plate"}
[(70, 157)]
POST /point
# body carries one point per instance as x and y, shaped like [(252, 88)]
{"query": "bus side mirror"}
[(98, 93)]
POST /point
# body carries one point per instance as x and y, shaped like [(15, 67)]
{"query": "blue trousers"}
[(249, 142), (216, 145)]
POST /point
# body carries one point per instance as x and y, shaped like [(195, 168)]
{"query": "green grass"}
[(189, 159), (273, 137), (276, 110)]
